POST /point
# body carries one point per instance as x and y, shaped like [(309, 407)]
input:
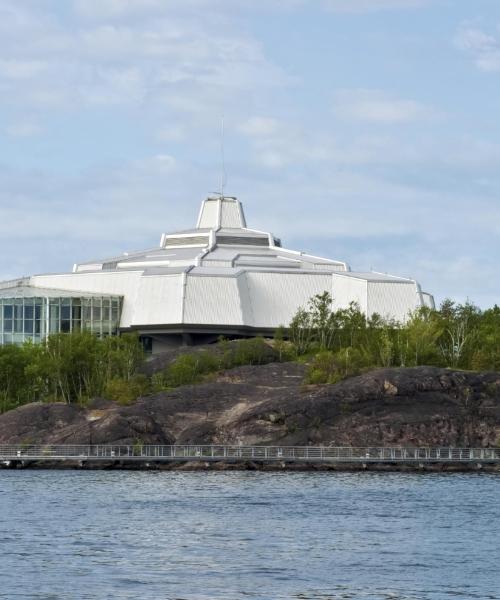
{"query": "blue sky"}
[(363, 130)]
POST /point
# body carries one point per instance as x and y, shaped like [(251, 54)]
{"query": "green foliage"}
[(341, 343), (137, 447), (315, 325), (125, 391), (352, 361), (284, 348), (66, 368), (253, 351), (323, 369), (335, 344), (484, 348), (191, 368)]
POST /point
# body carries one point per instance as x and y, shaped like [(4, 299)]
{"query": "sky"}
[(366, 131)]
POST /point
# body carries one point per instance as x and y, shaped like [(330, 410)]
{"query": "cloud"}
[(353, 202), (125, 9), (484, 48), (352, 183), (377, 107), (170, 133), (25, 128), (363, 6), (22, 69), (169, 62), (99, 9), (259, 126)]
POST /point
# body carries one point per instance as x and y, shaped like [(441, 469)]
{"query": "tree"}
[(459, 323), (422, 333), (301, 332), (485, 354)]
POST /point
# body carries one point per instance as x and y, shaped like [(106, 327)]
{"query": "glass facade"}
[(32, 318)]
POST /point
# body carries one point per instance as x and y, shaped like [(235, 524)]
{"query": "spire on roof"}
[(223, 211)]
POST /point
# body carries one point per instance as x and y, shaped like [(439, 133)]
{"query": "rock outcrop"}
[(270, 405)]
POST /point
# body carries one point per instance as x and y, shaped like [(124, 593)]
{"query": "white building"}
[(220, 278)]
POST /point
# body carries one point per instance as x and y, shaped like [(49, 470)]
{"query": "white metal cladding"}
[(28, 291), (242, 240), (267, 260), (248, 284), (89, 267), (324, 266), (13, 282), (210, 300), (119, 283), (192, 240), (428, 300), (159, 300), (217, 263), (275, 297), (245, 299), (230, 214), (347, 290), (209, 216), (394, 299)]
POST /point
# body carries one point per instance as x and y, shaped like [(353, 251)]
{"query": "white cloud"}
[(484, 48), (124, 9), (172, 67), (98, 9), (22, 69), (169, 62), (377, 106), (362, 6), (259, 126), (27, 127), (170, 133)]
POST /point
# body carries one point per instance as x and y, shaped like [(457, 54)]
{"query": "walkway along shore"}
[(245, 457)]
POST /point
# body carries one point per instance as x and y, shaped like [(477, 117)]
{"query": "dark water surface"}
[(152, 535)]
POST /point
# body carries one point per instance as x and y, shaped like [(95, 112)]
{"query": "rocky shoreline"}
[(270, 405), (194, 466)]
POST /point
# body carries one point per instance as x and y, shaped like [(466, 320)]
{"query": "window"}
[(23, 319)]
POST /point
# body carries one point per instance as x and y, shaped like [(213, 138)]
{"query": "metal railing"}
[(236, 453)]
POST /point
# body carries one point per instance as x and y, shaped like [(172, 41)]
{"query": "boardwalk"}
[(120, 454)]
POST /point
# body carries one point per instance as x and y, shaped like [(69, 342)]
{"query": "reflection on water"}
[(210, 536)]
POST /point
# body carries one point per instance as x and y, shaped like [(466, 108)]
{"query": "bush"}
[(68, 367), (352, 361), (187, 369), (323, 369), (126, 391), (285, 350), (253, 351)]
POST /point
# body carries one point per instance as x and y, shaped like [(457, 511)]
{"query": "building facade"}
[(220, 278)]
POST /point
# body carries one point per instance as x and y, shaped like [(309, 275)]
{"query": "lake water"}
[(235, 535)]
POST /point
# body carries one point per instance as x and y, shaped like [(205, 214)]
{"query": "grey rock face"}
[(270, 405)]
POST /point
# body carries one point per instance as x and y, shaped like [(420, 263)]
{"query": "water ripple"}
[(286, 536)]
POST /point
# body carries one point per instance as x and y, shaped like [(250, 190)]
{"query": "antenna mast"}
[(223, 178)]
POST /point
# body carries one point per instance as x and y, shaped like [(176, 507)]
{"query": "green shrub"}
[(351, 361), (126, 391), (323, 369), (187, 369), (253, 351), (284, 349), (68, 367)]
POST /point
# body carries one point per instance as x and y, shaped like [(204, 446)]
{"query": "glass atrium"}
[(28, 313)]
